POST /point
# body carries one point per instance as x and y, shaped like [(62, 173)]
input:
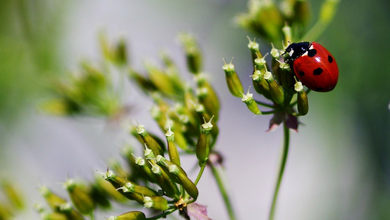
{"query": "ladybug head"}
[(295, 50)]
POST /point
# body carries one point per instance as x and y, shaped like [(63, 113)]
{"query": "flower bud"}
[(80, 197), (187, 184), (144, 83), (145, 169), (303, 103), (260, 84), (99, 196), (232, 80), (13, 195), (116, 166), (133, 215), (275, 89), (134, 188), (53, 216), (162, 82), (199, 109), (210, 100), (287, 34), (172, 149), (156, 202), (250, 103), (165, 182), (301, 11), (192, 52), (203, 145), (260, 63), (211, 106), (255, 50), (70, 212), (53, 200), (108, 189), (120, 52), (150, 142)]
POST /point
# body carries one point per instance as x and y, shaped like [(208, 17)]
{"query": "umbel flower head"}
[(277, 80), (186, 112)]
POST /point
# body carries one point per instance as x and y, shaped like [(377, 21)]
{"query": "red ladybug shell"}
[(314, 66)]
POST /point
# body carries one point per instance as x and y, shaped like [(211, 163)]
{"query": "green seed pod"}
[(211, 108), (133, 215), (255, 50), (142, 190), (70, 212), (301, 12), (156, 202), (116, 166), (187, 184), (54, 216), (115, 180), (192, 52), (150, 142), (260, 84), (260, 63), (100, 197), (203, 145), (250, 103), (275, 89), (144, 83), (6, 212), (232, 80), (108, 189), (80, 197), (120, 52), (172, 149), (161, 81), (12, 194), (145, 169), (209, 99), (165, 182), (287, 34), (53, 200), (303, 103), (202, 114)]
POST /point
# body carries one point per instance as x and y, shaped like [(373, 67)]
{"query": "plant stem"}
[(223, 192), (264, 104), (200, 173), (283, 160)]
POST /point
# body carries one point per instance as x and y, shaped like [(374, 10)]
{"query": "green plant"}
[(187, 115)]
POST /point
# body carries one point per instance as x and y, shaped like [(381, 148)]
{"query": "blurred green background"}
[(339, 164)]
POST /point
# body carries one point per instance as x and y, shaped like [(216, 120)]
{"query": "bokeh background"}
[(339, 162)]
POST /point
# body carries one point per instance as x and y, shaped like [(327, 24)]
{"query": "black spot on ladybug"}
[(330, 59), (301, 73), (312, 53), (317, 71), (319, 89)]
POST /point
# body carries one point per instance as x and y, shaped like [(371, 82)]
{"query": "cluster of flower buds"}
[(186, 114), (266, 18), (14, 200), (275, 81), (88, 92)]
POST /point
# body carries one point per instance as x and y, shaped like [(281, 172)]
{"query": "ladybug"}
[(314, 66)]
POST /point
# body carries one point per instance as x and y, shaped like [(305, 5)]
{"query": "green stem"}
[(92, 216), (162, 215), (223, 192), (264, 104), (283, 160), (200, 173)]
